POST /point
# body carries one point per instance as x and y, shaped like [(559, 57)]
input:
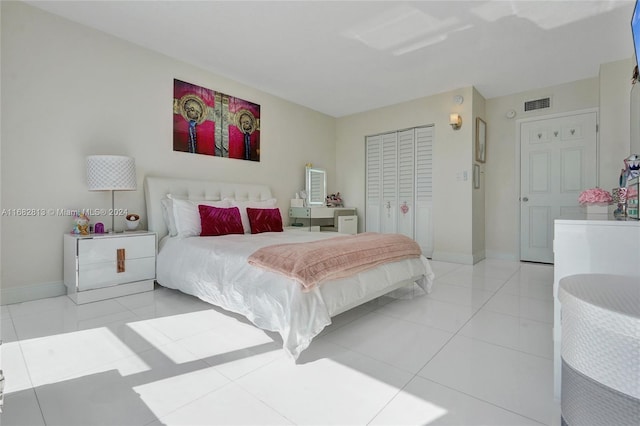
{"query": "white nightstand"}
[(102, 266)]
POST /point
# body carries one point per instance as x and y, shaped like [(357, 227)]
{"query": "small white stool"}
[(600, 349)]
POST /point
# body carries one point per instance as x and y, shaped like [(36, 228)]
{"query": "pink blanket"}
[(317, 261)]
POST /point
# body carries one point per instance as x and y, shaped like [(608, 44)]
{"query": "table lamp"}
[(111, 173)]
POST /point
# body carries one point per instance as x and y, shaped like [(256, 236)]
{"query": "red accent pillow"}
[(264, 220), (219, 221)]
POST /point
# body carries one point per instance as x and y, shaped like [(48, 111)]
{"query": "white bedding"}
[(215, 269)]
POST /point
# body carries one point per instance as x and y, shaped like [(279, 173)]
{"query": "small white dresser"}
[(102, 266), (344, 219)]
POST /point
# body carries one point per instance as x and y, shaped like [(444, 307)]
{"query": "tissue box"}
[(297, 202)]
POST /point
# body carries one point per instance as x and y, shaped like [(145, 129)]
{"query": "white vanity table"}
[(344, 219), (316, 213), (591, 247)]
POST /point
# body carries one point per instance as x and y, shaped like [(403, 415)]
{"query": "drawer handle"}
[(121, 256)]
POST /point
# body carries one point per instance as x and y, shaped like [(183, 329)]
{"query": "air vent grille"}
[(537, 104)]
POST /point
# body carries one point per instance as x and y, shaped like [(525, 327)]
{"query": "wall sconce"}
[(455, 120)]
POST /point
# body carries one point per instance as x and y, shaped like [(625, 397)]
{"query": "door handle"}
[(121, 256), (525, 199)]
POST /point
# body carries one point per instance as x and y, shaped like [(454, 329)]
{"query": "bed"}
[(215, 268)]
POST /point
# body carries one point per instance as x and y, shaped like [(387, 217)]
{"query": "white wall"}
[(634, 147), (494, 230), (609, 92), (69, 91), (478, 194), (502, 167), (1, 268), (615, 119), (452, 154)]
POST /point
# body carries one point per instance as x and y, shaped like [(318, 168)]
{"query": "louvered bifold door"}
[(399, 185), (406, 182), (373, 183), (423, 233), (389, 161)]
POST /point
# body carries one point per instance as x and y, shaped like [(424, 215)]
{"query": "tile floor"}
[(476, 351)]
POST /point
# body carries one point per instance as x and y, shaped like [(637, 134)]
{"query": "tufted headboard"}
[(157, 188)]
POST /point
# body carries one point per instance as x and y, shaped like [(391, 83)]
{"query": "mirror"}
[(316, 185)]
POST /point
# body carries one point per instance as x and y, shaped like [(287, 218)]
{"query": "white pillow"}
[(167, 215), (242, 206), (187, 215)]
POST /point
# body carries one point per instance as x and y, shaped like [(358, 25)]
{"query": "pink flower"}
[(595, 196)]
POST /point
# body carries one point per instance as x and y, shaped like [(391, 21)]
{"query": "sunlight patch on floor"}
[(60, 357)]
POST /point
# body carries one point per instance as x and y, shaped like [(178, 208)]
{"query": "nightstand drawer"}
[(105, 274), (101, 250)]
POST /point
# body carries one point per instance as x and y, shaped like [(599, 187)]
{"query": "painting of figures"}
[(213, 123)]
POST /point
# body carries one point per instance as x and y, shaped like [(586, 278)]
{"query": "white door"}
[(398, 184), (389, 163), (381, 183), (424, 190), (373, 191), (406, 186), (558, 161)]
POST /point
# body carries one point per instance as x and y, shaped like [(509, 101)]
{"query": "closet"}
[(399, 196)]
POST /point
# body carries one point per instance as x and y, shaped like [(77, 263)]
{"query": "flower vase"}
[(597, 211)]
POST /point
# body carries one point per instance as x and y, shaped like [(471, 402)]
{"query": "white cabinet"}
[(343, 219), (399, 184), (348, 224), (101, 266), (591, 247)]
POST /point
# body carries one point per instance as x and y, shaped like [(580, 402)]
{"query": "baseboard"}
[(477, 257), (501, 255), (465, 259), (26, 293)]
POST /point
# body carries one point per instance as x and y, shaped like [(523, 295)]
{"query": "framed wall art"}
[(481, 140), (476, 176), (213, 123)]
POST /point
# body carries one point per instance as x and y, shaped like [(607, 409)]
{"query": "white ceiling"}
[(343, 57)]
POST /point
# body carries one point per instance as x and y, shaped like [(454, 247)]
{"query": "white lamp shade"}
[(111, 172)]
